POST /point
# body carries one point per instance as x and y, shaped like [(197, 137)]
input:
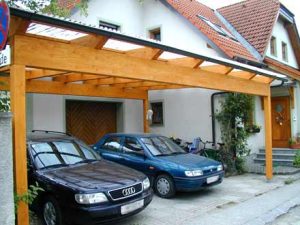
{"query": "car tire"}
[(51, 212), (164, 186)]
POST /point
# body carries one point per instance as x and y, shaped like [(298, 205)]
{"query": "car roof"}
[(47, 136), (137, 135)]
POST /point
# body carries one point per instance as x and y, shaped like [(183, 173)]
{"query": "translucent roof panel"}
[(53, 32), (121, 45), (170, 55)]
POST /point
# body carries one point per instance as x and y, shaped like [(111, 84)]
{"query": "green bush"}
[(297, 159)]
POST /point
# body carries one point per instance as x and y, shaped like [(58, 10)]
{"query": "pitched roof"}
[(190, 9), (254, 20)]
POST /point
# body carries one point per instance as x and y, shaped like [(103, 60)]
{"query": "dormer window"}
[(273, 46), (220, 30), (284, 51)]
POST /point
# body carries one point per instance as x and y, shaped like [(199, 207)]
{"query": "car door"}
[(111, 149), (133, 154)]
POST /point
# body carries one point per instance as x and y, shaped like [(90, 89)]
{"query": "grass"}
[(289, 181)]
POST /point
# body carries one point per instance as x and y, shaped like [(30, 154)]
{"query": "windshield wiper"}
[(177, 153), (86, 161), (55, 166)]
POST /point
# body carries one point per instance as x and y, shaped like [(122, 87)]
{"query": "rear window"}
[(60, 153)]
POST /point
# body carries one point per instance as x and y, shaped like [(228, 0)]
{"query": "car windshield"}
[(61, 153), (162, 146)]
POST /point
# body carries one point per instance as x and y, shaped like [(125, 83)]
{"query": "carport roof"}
[(67, 25)]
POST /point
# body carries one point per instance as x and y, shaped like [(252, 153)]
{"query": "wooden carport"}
[(89, 65)]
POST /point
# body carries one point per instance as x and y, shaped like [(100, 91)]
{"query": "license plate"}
[(212, 179), (132, 207)]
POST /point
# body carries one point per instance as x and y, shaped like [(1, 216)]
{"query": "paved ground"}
[(247, 199), (239, 200), (291, 218)]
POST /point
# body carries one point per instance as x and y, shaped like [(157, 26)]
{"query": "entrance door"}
[(89, 121), (281, 121)]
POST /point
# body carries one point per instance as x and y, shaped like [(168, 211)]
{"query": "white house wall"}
[(281, 34), (47, 112)]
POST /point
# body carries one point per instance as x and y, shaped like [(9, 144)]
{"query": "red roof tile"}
[(254, 20), (191, 8)]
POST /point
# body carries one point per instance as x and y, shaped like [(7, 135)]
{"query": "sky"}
[(292, 5)]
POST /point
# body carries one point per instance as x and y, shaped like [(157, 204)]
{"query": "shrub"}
[(296, 162)]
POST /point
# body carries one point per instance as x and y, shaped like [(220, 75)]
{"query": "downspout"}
[(213, 118)]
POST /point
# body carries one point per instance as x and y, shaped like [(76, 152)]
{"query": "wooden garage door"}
[(89, 121)]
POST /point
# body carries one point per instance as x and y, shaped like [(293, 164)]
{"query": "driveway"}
[(194, 208), (237, 200)]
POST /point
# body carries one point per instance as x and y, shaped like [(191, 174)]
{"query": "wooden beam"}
[(40, 73), (262, 79), (18, 26), (94, 41), (59, 88), (292, 96), (35, 53), (109, 81), (242, 74), (165, 87), (145, 111), (17, 94), (74, 77), (268, 136), (139, 84), (217, 69), (187, 62), (146, 53)]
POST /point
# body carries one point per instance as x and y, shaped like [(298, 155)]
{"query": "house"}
[(185, 24), (270, 28)]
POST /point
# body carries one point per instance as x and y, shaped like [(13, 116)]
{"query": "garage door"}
[(89, 121)]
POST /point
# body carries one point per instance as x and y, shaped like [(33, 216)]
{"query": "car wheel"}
[(164, 186), (51, 213)]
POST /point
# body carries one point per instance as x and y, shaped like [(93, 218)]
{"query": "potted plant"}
[(294, 144), (253, 128)]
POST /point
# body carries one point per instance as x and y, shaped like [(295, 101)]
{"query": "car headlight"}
[(146, 183), (90, 198), (220, 167), (193, 173)]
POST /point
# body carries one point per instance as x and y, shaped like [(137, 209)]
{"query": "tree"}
[(61, 8)]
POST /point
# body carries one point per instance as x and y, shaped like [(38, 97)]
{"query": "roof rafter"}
[(146, 52), (74, 77), (186, 61), (94, 41)]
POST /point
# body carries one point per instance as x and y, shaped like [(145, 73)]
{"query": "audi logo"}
[(128, 191)]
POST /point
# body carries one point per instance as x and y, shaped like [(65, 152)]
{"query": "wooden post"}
[(268, 136), (18, 92), (145, 110)]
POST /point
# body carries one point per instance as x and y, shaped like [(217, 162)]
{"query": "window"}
[(111, 26), (155, 34), (220, 30), (112, 143), (273, 46), (158, 114), (131, 145), (284, 51)]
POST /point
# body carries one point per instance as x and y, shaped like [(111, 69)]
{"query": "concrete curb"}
[(273, 214)]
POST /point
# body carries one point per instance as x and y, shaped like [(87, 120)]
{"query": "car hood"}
[(190, 161), (97, 176)]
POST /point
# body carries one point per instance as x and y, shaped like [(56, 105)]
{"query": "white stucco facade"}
[(281, 35)]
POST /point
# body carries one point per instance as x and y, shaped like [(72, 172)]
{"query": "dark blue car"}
[(168, 166)]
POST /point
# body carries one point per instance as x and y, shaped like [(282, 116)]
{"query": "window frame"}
[(119, 150), (284, 51), (132, 152), (273, 46), (152, 32), (162, 122), (109, 25)]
